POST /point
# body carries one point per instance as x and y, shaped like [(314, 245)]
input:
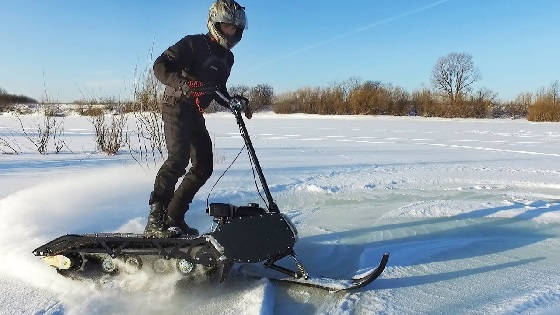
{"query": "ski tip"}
[(384, 260)]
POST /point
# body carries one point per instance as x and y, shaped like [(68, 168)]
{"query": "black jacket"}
[(193, 58)]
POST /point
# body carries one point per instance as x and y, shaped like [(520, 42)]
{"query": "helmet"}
[(226, 11)]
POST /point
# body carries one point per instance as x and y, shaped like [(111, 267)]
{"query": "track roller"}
[(109, 265), (184, 266), (132, 264)]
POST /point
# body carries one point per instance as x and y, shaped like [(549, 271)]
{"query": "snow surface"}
[(468, 209)]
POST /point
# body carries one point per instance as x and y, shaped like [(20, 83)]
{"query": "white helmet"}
[(226, 11)]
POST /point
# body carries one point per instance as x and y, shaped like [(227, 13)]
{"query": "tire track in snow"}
[(456, 146), (537, 300), (394, 140)]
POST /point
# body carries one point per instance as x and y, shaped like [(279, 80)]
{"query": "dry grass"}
[(376, 98), (544, 109), (546, 106)]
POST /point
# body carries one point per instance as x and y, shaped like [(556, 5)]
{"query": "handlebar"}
[(235, 104)]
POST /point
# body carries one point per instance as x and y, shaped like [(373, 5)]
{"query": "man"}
[(186, 68)]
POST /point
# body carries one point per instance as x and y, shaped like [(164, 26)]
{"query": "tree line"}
[(452, 95), (7, 100)]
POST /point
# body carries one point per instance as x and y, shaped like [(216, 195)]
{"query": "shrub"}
[(90, 110), (424, 103), (109, 133), (367, 98), (519, 107), (261, 97), (349, 97), (49, 130), (146, 106), (148, 91), (544, 110), (479, 105), (546, 106), (399, 102), (52, 110)]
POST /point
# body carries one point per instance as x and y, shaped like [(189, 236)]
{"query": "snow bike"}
[(248, 234)]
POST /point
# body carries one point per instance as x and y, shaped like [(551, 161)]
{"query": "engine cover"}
[(256, 238)]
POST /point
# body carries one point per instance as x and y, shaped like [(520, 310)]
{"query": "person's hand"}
[(197, 88), (241, 103), (184, 89), (248, 112)]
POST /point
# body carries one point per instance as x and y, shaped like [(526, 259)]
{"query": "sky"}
[(83, 49)]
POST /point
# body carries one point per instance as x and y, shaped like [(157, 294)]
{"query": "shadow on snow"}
[(432, 240)]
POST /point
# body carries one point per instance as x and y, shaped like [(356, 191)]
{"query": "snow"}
[(468, 209)]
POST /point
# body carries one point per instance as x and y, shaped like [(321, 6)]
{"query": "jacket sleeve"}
[(222, 86), (168, 68)]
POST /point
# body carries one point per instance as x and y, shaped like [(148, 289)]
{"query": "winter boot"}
[(180, 227), (155, 226)]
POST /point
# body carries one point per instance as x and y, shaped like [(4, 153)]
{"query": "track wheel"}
[(133, 264), (184, 266), (109, 265)]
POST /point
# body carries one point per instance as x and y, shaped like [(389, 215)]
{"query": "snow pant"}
[(187, 139)]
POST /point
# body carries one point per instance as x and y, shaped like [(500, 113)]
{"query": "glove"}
[(184, 89), (191, 87), (248, 112), (241, 103), (196, 88)]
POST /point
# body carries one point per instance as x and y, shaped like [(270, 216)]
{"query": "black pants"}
[(187, 139)]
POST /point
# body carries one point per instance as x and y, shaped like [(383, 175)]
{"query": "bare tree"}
[(261, 96), (554, 91), (455, 75), (242, 90), (49, 128)]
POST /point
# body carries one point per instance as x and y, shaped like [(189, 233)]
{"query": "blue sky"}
[(91, 48)]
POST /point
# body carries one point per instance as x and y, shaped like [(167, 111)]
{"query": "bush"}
[(53, 110), (109, 133), (146, 106), (399, 103), (261, 97), (239, 90), (480, 105), (304, 100), (544, 109), (94, 106), (90, 110), (424, 103), (368, 98), (349, 97), (49, 130), (547, 104), (519, 107)]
